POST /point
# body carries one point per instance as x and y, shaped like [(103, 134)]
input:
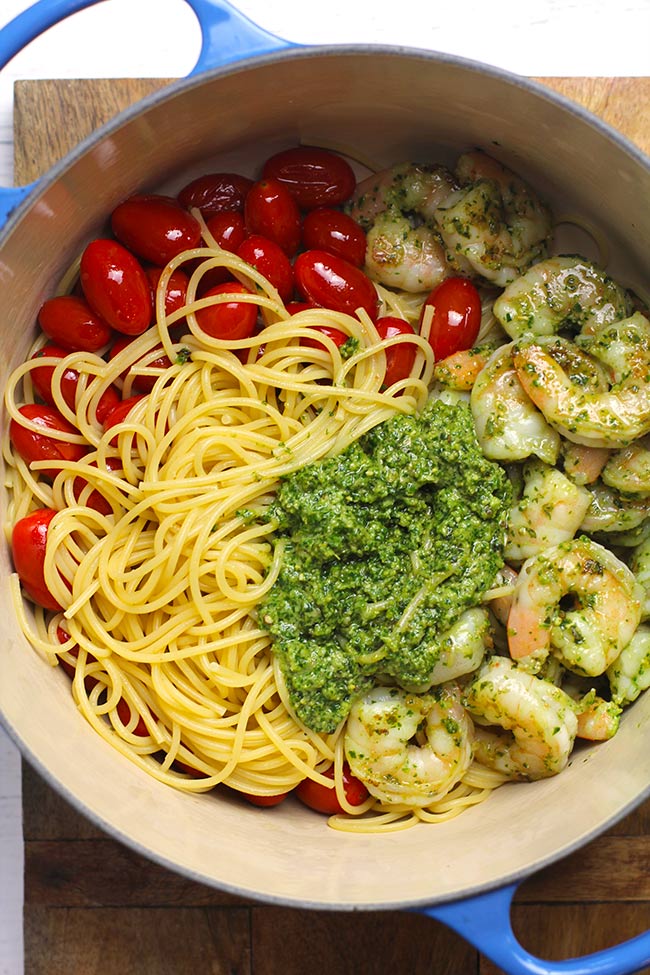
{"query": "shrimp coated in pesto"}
[(396, 209), (576, 600), (629, 675), (560, 293), (409, 749), (536, 721), (550, 511), (494, 226), (508, 424), (612, 417)]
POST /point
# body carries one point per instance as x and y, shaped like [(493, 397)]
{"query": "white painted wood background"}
[(160, 38)]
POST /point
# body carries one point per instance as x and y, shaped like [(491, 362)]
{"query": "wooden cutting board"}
[(93, 907)]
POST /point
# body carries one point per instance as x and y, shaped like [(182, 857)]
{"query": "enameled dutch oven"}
[(251, 94)]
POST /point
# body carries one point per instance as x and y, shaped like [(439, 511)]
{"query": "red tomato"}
[(332, 282), (315, 177), (231, 319), (96, 499), (335, 232), (270, 210), (124, 713), (42, 380), (214, 192), (120, 412), (456, 318), (116, 286), (338, 338), (155, 228), (293, 307), (265, 801), (69, 321), (70, 670), (38, 446), (324, 800), (271, 261), (399, 358), (28, 544), (228, 229), (143, 384), (176, 293)]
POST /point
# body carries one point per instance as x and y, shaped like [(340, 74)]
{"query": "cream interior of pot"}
[(385, 106)]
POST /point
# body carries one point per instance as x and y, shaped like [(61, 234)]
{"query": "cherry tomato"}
[(96, 499), (324, 800), (214, 192), (293, 307), (69, 321), (231, 319), (176, 293), (68, 668), (332, 282), (315, 177), (124, 714), (228, 229), (456, 318), (271, 261), (270, 210), (34, 446), (155, 228), (399, 358), (143, 384), (265, 801), (116, 286), (120, 412), (28, 544), (338, 337), (336, 233), (42, 380)]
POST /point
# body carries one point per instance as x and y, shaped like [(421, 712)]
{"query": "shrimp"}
[(460, 370), (597, 418), (587, 635), (640, 567), (598, 719), (551, 511), (558, 293), (463, 646), (494, 225), (379, 750), (628, 469), (584, 465), (508, 424), (629, 675), (609, 511), (537, 717), (396, 208)]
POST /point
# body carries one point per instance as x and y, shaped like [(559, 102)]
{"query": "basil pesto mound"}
[(386, 545)]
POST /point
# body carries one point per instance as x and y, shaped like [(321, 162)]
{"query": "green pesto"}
[(386, 544)]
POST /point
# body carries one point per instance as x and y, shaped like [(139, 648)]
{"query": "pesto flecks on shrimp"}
[(380, 750), (559, 293), (494, 226), (613, 417), (628, 470), (396, 208), (550, 511), (629, 675), (536, 720), (509, 426), (590, 633), (462, 646)]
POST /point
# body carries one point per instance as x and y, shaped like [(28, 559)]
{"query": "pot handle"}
[(228, 36), (484, 921)]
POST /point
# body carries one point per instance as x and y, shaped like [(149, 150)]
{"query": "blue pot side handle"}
[(484, 921), (228, 36)]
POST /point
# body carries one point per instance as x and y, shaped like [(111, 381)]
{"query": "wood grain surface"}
[(93, 907)]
